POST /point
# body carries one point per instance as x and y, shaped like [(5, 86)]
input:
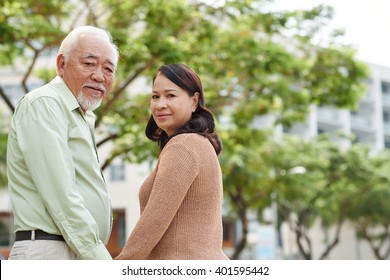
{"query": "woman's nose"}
[(161, 103)]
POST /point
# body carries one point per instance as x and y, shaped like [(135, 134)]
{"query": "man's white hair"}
[(70, 41)]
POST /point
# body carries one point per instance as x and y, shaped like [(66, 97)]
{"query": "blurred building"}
[(369, 123)]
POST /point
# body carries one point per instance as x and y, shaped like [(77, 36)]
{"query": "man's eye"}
[(109, 70)]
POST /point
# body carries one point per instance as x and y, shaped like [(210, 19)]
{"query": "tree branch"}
[(120, 90), (7, 100), (37, 52), (114, 155), (108, 138)]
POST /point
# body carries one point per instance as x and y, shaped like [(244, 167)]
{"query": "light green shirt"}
[(55, 179)]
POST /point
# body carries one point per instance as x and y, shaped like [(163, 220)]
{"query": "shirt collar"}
[(65, 93)]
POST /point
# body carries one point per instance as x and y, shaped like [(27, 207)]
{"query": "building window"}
[(286, 129), (386, 117), (228, 234), (5, 223), (117, 172), (385, 87), (6, 234), (118, 235), (387, 143)]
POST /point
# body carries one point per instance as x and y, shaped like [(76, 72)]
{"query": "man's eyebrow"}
[(94, 56), (89, 55)]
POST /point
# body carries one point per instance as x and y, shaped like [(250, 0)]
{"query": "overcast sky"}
[(366, 24)]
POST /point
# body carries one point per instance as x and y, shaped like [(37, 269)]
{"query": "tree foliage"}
[(3, 167), (318, 181), (239, 46), (370, 211), (246, 177)]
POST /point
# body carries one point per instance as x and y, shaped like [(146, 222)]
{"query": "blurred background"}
[(300, 91)]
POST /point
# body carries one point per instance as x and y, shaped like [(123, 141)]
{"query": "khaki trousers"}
[(41, 250)]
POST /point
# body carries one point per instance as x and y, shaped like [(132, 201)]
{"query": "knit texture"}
[(181, 203)]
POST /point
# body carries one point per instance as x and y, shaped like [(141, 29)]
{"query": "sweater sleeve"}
[(176, 171)]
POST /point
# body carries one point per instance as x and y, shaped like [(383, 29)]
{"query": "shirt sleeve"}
[(176, 171), (43, 139)]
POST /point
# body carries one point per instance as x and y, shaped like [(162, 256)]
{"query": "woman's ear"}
[(195, 100)]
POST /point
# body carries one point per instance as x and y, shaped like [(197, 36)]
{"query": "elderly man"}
[(60, 201)]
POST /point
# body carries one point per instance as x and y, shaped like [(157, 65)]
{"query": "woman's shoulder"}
[(192, 142), (188, 138)]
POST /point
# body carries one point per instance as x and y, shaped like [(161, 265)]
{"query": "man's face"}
[(89, 72)]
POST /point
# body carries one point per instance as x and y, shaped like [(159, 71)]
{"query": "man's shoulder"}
[(35, 95), (46, 90), (49, 92), (42, 97)]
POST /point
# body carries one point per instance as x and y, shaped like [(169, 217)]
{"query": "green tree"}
[(3, 167), (371, 212), (246, 177), (3, 150), (329, 182), (238, 48)]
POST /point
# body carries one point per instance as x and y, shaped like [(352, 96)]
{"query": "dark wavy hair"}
[(202, 120)]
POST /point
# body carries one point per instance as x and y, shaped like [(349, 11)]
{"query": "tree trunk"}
[(241, 207)]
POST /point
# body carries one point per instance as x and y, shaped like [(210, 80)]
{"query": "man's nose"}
[(98, 74)]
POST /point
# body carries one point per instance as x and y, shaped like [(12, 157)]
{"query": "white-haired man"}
[(60, 201)]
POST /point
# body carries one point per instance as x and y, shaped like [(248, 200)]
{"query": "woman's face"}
[(171, 106)]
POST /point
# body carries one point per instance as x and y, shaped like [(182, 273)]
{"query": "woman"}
[(181, 200)]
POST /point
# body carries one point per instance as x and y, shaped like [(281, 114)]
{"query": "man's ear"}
[(60, 62)]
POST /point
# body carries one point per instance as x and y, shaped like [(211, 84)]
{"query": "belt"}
[(36, 235)]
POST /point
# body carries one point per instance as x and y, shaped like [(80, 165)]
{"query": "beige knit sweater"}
[(181, 203)]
